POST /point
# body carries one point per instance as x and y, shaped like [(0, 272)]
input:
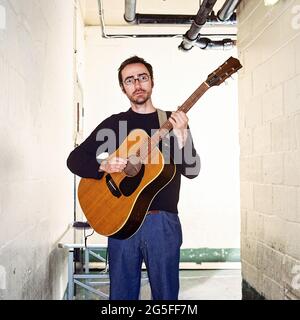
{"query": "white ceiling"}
[(113, 16)]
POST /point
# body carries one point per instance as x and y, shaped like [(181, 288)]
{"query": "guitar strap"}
[(162, 118)]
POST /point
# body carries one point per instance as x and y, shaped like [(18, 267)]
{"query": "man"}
[(158, 240)]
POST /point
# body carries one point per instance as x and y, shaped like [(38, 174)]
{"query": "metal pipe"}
[(227, 10), (206, 43), (212, 19), (163, 35), (201, 18), (190, 37), (142, 18), (130, 11)]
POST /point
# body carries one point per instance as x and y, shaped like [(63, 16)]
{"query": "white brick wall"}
[(269, 102), (36, 97)]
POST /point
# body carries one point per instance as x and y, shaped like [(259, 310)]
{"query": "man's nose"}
[(137, 82)]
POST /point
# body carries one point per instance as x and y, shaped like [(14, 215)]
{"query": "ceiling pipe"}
[(227, 10), (190, 37), (225, 14), (179, 19), (130, 11), (132, 17), (206, 43), (205, 15), (164, 18)]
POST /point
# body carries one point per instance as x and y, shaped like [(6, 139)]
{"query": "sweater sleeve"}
[(190, 163), (82, 161), (186, 159)]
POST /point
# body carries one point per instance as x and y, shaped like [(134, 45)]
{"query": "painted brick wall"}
[(269, 104), (36, 112)]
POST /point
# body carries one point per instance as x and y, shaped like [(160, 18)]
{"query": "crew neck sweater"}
[(110, 133)]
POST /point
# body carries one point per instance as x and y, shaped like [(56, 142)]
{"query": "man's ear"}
[(122, 88), (152, 82)]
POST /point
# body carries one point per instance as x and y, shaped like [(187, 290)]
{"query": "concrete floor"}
[(207, 282), (210, 285)]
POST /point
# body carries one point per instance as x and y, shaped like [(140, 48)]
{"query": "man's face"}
[(139, 87)]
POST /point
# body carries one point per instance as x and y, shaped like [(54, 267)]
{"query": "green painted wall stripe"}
[(197, 255)]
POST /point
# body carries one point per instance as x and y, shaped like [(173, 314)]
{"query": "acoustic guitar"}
[(116, 205)]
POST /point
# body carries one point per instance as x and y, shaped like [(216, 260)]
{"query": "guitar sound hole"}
[(133, 166), (130, 184)]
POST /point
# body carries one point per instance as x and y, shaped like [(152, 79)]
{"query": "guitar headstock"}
[(228, 68)]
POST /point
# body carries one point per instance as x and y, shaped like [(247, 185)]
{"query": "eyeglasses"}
[(130, 81)]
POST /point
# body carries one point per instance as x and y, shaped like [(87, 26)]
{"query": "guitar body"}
[(116, 205)]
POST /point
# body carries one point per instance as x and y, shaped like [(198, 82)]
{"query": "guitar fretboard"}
[(148, 145)]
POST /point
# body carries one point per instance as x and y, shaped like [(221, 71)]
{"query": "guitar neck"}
[(186, 106), (147, 146)]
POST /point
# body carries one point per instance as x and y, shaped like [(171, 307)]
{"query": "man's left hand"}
[(179, 121)]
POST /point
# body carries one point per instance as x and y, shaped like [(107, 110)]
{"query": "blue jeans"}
[(157, 243)]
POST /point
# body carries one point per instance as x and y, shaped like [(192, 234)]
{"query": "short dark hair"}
[(132, 60)]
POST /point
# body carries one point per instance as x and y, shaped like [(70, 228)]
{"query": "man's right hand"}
[(112, 165)]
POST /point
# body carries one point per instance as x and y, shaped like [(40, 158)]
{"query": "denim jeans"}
[(157, 243)]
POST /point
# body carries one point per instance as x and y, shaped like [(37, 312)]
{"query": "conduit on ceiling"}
[(205, 16)]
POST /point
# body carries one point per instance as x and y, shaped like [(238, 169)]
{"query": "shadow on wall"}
[(2, 281), (57, 274)]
